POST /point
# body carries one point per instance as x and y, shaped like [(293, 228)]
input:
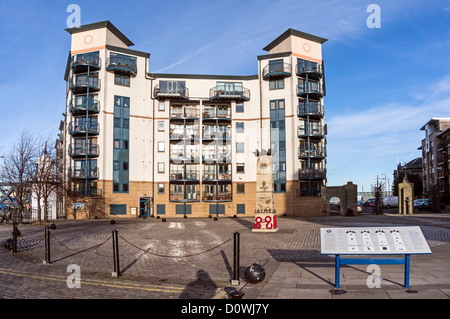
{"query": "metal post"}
[(235, 280), (47, 245), (115, 239), (407, 271), (14, 234), (337, 271)]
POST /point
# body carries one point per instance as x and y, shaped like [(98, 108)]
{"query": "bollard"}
[(115, 239), (235, 281), (47, 245), (14, 234)]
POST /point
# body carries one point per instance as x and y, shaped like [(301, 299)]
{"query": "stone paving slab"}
[(193, 258)]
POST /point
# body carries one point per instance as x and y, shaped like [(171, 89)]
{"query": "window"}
[(161, 126), (122, 79), (161, 106), (118, 209), (116, 165), (161, 147), (161, 167), (126, 123), (240, 188), (240, 208), (239, 127), (239, 147), (116, 187), (160, 209), (125, 166), (240, 168), (125, 187), (276, 84), (161, 188), (116, 122), (116, 144), (239, 107), (125, 145)]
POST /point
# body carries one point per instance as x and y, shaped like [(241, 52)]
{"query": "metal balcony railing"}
[(311, 131), (84, 128), (82, 104), (279, 70), (83, 172), (81, 83), (311, 173), (122, 64), (184, 113), (217, 93), (84, 150), (310, 108), (312, 152), (214, 113), (173, 92), (82, 62), (308, 87), (309, 67)]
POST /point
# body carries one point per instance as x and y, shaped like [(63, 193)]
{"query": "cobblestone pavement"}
[(193, 258)]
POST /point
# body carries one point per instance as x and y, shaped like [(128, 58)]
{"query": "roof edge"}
[(102, 24), (296, 33)]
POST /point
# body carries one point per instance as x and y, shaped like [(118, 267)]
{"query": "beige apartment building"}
[(141, 144), (435, 149)]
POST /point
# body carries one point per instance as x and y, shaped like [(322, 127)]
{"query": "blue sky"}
[(382, 84)]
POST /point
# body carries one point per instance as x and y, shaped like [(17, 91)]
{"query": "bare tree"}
[(17, 170)]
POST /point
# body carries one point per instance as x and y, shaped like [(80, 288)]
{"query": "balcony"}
[(215, 113), (127, 65), (314, 70), (314, 89), (312, 152), (221, 94), (82, 84), (212, 157), (311, 173), (311, 131), (79, 105), (85, 63), (219, 197), (182, 197), (311, 108), (76, 129), (171, 92), (276, 71), (83, 173), (181, 175), (216, 135), (184, 113), (180, 156), (84, 150), (213, 177)]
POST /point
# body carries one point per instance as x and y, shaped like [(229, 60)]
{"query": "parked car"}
[(422, 203), (360, 206), (390, 201), (369, 202)]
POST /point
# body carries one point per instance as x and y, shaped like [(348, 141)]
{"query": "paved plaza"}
[(193, 259)]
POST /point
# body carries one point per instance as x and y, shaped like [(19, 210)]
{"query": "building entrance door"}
[(145, 207)]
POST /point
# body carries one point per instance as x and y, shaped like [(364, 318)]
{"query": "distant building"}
[(435, 153), (412, 167)]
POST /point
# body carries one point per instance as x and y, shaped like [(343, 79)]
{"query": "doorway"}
[(145, 207)]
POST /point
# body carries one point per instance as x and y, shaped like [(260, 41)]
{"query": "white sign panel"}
[(373, 240)]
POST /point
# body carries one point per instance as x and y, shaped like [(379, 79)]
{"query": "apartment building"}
[(138, 144), (435, 149)]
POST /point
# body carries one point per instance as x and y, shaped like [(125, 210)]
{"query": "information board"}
[(373, 241)]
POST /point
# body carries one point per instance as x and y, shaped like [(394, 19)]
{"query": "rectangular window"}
[(160, 126), (160, 209), (122, 79), (126, 123), (239, 107), (240, 168), (118, 209), (239, 127), (239, 147), (240, 208), (116, 144), (240, 188), (125, 188), (161, 106), (161, 147), (161, 167), (276, 84), (125, 166), (125, 145), (161, 188)]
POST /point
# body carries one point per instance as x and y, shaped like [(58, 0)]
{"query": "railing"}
[(281, 70), (87, 60), (308, 87), (79, 83), (217, 157), (311, 152), (216, 93), (310, 108), (221, 196), (180, 197), (180, 174), (84, 150), (79, 128), (216, 113), (120, 63), (309, 67), (83, 172), (216, 135), (185, 112), (311, 131), (184, 156), (179, 92), (311, 173), (84, 103)]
